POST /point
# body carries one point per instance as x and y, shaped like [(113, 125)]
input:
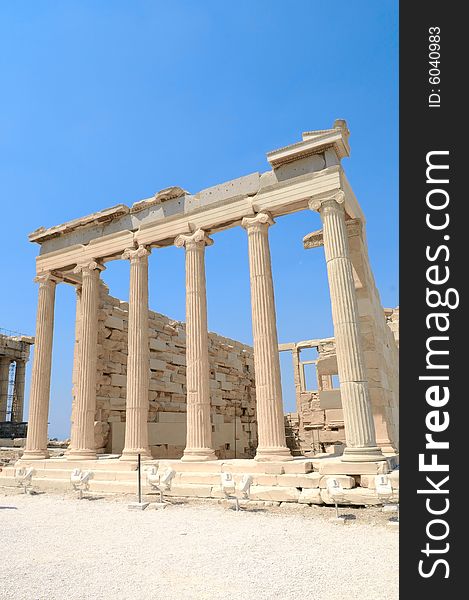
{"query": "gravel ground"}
[(55, 547)]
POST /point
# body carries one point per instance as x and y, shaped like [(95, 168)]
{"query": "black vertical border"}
[(424, 129)]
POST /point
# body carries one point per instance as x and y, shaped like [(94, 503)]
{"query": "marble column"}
[(138, 360), (18, 396), (76, 355), (358, 419), (36, 441), (270, 417), (82, 446), (199, 426), (4, 381)]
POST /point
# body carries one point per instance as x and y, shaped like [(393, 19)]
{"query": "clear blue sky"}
[(106, 102)]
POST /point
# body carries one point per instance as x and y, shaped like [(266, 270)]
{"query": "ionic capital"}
[(89, 266), (47, 278), (317, 203), (133, 254), (263, 218), (198, 239)]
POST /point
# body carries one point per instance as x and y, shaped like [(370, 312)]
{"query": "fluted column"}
[(199, 426), (358, 419), (76, 356), (36, 441), (17, 406), (82, 446), (138, 360), (270, 417), (4, 381)]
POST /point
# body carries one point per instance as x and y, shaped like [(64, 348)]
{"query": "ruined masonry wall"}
[(234, 430), (312, 429)]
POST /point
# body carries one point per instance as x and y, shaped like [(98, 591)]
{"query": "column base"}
[(132, 455), (272, 454), (198, 455), (35, 455), (81, 455), (388, 449), (366, 454)]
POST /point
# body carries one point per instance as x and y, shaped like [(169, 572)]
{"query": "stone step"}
[(291, 481), (100, 464), (355, 496), (61, 485), (307, 480), (295, 466), (303, 481), (64, 474), (335, 466)]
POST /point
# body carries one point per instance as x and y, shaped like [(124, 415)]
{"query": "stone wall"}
[(312, 428), (315, 425), (234, 428)]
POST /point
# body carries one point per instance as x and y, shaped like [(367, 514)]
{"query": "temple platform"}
[(302, 480)]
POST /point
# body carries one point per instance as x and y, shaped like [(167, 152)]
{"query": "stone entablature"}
[(105, 235)]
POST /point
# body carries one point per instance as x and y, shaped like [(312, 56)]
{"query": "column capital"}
[(198, 239), (91, 265), (317, 203), (48, 277), (262, 218), (135, 253)]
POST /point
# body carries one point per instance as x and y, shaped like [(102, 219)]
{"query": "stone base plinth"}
[(36, 454), (132, 455), (281, 453), (79, 455), (198, 455), (365, 455), (302, 480), (338, 466)]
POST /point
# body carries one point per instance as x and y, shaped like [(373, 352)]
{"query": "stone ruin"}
[(14, 354), (127, 375), (232, 387), (318, 422)]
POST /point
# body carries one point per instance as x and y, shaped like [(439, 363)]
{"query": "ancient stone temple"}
[(120, 409)]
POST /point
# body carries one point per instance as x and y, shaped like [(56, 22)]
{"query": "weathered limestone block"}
[(231, 379), (308, 480), (157, 365), (101, 433), (114, 323), (118, 380), (310, 496), (190, 490), (358, 496), (276, 493), (346, 481), (158, 345)]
